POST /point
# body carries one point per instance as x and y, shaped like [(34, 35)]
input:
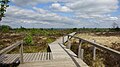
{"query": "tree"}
[(3, 6), (117, 28), (115, 25), (5, 28), (74, 29)]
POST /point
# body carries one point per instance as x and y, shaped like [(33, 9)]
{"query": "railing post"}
[(79, 49), (21, 53), (82, 54), (68, 37), (69, 44), (94, 51), (63, 40)]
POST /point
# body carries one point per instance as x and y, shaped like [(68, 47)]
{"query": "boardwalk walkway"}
[(62, 57), (27, 57)]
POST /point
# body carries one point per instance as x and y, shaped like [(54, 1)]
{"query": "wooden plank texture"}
[(28, 57), (59, 56)]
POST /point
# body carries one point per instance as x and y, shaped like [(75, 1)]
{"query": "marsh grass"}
[(35, 40), (103, 58)]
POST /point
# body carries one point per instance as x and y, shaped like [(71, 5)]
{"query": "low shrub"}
[(28, 40), (5, 28)]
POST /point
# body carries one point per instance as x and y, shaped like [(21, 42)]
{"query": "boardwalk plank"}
[(31, 58), (51, 57), (8, 59), (2, 57), (45, 56), (38, 56), (35, 56), (48, 55), (25, 56), (28, 57), (42, 56)]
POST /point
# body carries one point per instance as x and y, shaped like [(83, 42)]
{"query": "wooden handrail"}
[(112, 51), (9, 48)]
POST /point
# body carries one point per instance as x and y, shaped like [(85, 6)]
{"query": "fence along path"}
[(58, 57), (96, 46), (22, 57), (62, 57)]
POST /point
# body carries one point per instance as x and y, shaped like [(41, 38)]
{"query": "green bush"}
[(5, 28), (28, 40)]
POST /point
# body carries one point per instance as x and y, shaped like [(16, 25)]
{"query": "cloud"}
[(35, 2), (37, 16), (24, 3), (114, 18), (84, 7), (90, 8), (60, 8), (42, 11), (83, 13)]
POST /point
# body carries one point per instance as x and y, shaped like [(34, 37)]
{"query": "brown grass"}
[(103, 40), (103, 58)]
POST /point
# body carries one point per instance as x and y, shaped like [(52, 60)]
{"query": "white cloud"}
[(39, 16), (30, 2), (39, 10), (87, 13), (58, 7), (88, 8), (85, 7), (35, 2), (114, 18)]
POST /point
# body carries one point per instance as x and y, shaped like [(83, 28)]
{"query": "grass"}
[(36, 40), (31, 49), (103, 58), (103, 40)]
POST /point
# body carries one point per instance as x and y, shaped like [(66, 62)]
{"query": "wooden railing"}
[(9, 48), (94, 44)]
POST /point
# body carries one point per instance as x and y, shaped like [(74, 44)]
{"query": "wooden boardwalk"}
[(27, 57), (62, 57), (59, 56)]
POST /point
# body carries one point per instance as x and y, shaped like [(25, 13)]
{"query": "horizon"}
[(55, 28), (62, 14)]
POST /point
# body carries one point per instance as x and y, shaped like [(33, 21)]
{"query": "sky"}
[(62, 13)]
